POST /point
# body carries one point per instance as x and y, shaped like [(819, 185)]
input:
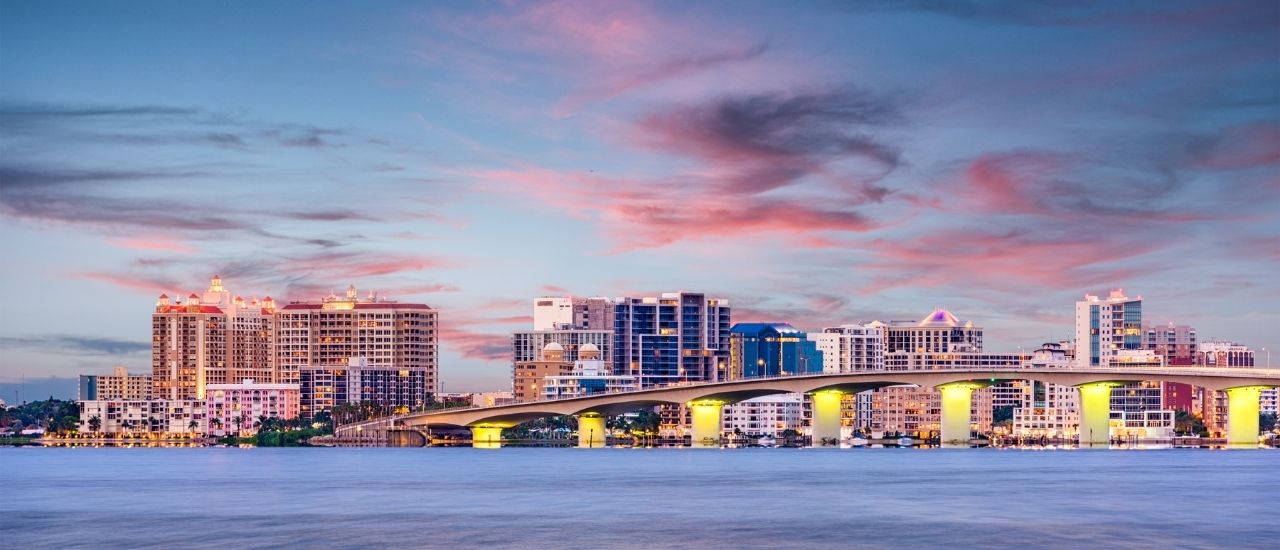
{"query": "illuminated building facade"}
[(1105, 326), (528, 377), (322, 388), (232, 409), (1176, 343), (917, 411), (589, 375), (771, 349), (212, 338), (528, 345), (357, 349), (119, 385), (766, 416), (850, 348), (673, 338), (940, 331), (144, 416)]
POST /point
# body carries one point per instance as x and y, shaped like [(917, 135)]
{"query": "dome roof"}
[(940, 318), (553, 346), (588, 348)]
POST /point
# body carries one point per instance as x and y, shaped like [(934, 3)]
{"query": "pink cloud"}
[(1007, 261), (141, 284), (161, 244)]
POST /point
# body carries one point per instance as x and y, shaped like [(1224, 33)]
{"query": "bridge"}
[(707, 400)]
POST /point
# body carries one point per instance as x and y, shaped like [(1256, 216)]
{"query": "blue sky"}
[(814, 163)]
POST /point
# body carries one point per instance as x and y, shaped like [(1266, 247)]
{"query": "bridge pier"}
[(707, 423), (826, 418), (1242, 415), (591, 430), (957, 408), (1095, 413), (486, 437)]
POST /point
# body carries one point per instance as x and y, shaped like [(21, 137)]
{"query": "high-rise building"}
[(334, 330), (850, 348), (770, 349), (213, 338), (528, 345), (567, 312), (940, 331), (357, 349), (119, 385), (1177, 343), (323, 387), (673, 338), (551, 312), (1105, 326)]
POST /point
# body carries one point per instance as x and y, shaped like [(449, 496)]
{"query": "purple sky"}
[(815, 163)]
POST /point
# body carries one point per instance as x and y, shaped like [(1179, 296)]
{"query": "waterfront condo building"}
[(770, 349), (764, 417), (1105, 326), (940, 331), (143, 416), (672, 338), (850, 348), (119, 385), (233, 409), (212, 338), (917, 411), (352, 349)]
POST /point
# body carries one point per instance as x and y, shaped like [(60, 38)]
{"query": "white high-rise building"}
[(1105, 326), (552, 312), (850, 348)]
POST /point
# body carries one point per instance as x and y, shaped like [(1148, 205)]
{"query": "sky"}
[(815, 163)]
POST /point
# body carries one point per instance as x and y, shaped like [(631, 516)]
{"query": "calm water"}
[(637, 498)]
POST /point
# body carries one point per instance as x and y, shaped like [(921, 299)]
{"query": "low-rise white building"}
[(140, 416), (766, 416)]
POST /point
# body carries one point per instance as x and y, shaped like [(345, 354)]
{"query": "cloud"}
[(75, 345), (160, 244), (148, 284), (746, 147), (1239, 14), (1240, 147), (765, 141)]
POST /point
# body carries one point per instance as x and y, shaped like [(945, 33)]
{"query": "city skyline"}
[(815, 167)]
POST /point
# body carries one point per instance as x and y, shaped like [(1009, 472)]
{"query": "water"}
[(637, 498)]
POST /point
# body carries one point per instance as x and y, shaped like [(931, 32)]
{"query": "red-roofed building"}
[(347, 349), (213, 338)]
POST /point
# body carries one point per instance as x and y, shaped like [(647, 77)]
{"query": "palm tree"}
[(192, 425), (215, 423), (95, 424)]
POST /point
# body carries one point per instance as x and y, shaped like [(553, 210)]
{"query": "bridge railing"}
[(1241, 372)]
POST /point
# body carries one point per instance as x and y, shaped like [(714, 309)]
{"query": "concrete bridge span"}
[(706, 401)]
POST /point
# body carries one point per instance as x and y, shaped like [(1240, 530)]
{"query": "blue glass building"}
[(771, 349), (672, 338)]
